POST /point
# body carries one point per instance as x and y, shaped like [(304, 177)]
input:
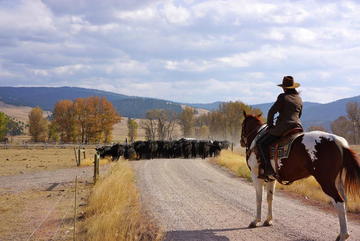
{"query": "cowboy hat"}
[(288, 83)]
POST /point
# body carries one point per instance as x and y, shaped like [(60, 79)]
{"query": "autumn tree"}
[(101, 116), (187, 121), (3, 125), (86, 120), (64, 116), (226, 121), (132, 129), (353, 114), (53, 132), (38, 125), (108, 117)]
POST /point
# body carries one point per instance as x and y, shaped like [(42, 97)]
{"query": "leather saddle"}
[(281, 148)]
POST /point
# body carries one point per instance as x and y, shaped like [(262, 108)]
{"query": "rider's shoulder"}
[(281, 96)]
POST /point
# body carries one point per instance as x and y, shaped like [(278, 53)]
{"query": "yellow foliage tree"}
[(38, 125), (86, 120), (65, 119)]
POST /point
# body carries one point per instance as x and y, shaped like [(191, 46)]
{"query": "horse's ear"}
[(259, 115), (244, 112)]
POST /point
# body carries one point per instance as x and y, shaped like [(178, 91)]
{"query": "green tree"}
[(132, 129), (38, 125), (15, 127), (4, 120)]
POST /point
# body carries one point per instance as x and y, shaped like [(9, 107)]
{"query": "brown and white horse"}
[(325, 156)]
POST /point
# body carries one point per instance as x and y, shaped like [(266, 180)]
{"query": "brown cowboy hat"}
[(288, 83)]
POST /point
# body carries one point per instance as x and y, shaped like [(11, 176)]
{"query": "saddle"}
[(281, 148)]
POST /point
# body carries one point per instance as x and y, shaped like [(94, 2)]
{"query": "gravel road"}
[(195, 200)]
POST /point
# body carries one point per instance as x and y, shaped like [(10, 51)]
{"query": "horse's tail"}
[(352, 167)]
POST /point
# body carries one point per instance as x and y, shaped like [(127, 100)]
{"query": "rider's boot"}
[(264, 154)]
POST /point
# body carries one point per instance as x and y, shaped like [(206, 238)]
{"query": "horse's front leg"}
[(270, 189), (258, 184)]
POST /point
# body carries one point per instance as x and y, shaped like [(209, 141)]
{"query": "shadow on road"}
[(199, 235)]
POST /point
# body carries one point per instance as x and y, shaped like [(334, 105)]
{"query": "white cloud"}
[(176, 14), (193, 50), (27, 16)]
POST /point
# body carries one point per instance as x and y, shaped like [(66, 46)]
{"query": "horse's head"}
[(250, 125)]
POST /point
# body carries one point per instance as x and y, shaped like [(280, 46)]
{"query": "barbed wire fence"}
[(55, 235)]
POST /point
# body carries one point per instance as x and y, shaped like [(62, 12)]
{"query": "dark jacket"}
[(289, 107)]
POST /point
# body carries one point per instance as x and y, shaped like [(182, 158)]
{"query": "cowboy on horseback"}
[(289, 107)]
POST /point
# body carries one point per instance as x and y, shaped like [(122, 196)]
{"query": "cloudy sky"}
[(186, 51)]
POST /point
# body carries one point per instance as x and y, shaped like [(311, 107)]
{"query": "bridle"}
[(244, 138)]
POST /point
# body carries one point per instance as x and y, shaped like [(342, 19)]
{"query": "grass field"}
[(20, 161), (309, 188)]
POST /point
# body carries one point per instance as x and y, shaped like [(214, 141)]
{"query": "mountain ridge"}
[(136, 107)]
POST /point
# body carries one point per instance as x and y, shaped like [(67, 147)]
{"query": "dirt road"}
[(194, 200)]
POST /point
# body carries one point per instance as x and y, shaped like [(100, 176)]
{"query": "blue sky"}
[(186, 51)]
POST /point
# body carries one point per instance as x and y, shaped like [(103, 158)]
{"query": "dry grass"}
[(90, 161), (307, 187), (114, 211), (20, 161)]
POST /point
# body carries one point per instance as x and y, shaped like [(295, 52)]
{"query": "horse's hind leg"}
[(334, 189), (270, 188)]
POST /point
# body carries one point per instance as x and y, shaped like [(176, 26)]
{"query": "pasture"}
[(37, 192), (22, 161)]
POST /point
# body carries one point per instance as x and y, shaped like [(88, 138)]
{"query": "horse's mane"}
[(256, 117)]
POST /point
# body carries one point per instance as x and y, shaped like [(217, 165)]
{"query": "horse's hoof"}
[(253, 224), (267, 223), (346, 236)]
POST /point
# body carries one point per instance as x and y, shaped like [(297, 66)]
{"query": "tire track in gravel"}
[(194, 200)]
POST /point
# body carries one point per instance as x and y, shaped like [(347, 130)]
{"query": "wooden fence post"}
[(96, 167), (79, 156), (76, 157), (75, 209), (84, 153), (232, 146)]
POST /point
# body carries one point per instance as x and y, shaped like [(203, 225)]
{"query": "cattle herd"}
[(183, 148)]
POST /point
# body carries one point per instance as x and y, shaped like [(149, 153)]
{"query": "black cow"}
[(194, 148), (130, 152), (186, 148), (204, 149), (215, 148), (114, 151)]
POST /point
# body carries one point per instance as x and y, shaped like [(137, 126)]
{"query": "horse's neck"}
[(253, 138)]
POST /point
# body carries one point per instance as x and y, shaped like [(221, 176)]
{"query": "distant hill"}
[(136, 107), (318, 114), (209, 106), (46, 98)]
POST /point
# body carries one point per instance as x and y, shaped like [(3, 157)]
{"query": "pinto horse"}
[(325, 156)]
